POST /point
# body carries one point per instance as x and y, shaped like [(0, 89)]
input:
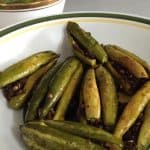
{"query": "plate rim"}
[(122, 16)]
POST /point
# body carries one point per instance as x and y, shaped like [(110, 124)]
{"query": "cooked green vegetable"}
[(58, 84), (32, 145), (50, 137), (132, 110), (81, 116), (144, 134), (19, 101), (85, 131), (80, 53), (108, 96), (126, 61), (132, 55), (113, 71), (25, 67), (91, 98), (87, 41), (68, 93), (37, 140), (123, 83), (39, 95), (85, 59)]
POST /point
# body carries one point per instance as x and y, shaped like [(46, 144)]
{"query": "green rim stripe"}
[(73, 15)]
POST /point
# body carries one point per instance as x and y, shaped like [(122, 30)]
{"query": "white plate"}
[(49, 33)]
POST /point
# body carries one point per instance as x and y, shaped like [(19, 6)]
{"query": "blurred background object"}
[(50, 7), (12, 13)]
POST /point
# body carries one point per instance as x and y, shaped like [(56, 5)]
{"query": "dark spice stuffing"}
[(14, 89), (135, 83)]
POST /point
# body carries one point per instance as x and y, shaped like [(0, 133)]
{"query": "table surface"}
[(134, 7)]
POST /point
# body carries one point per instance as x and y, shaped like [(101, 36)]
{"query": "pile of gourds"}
[(98, 78)]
